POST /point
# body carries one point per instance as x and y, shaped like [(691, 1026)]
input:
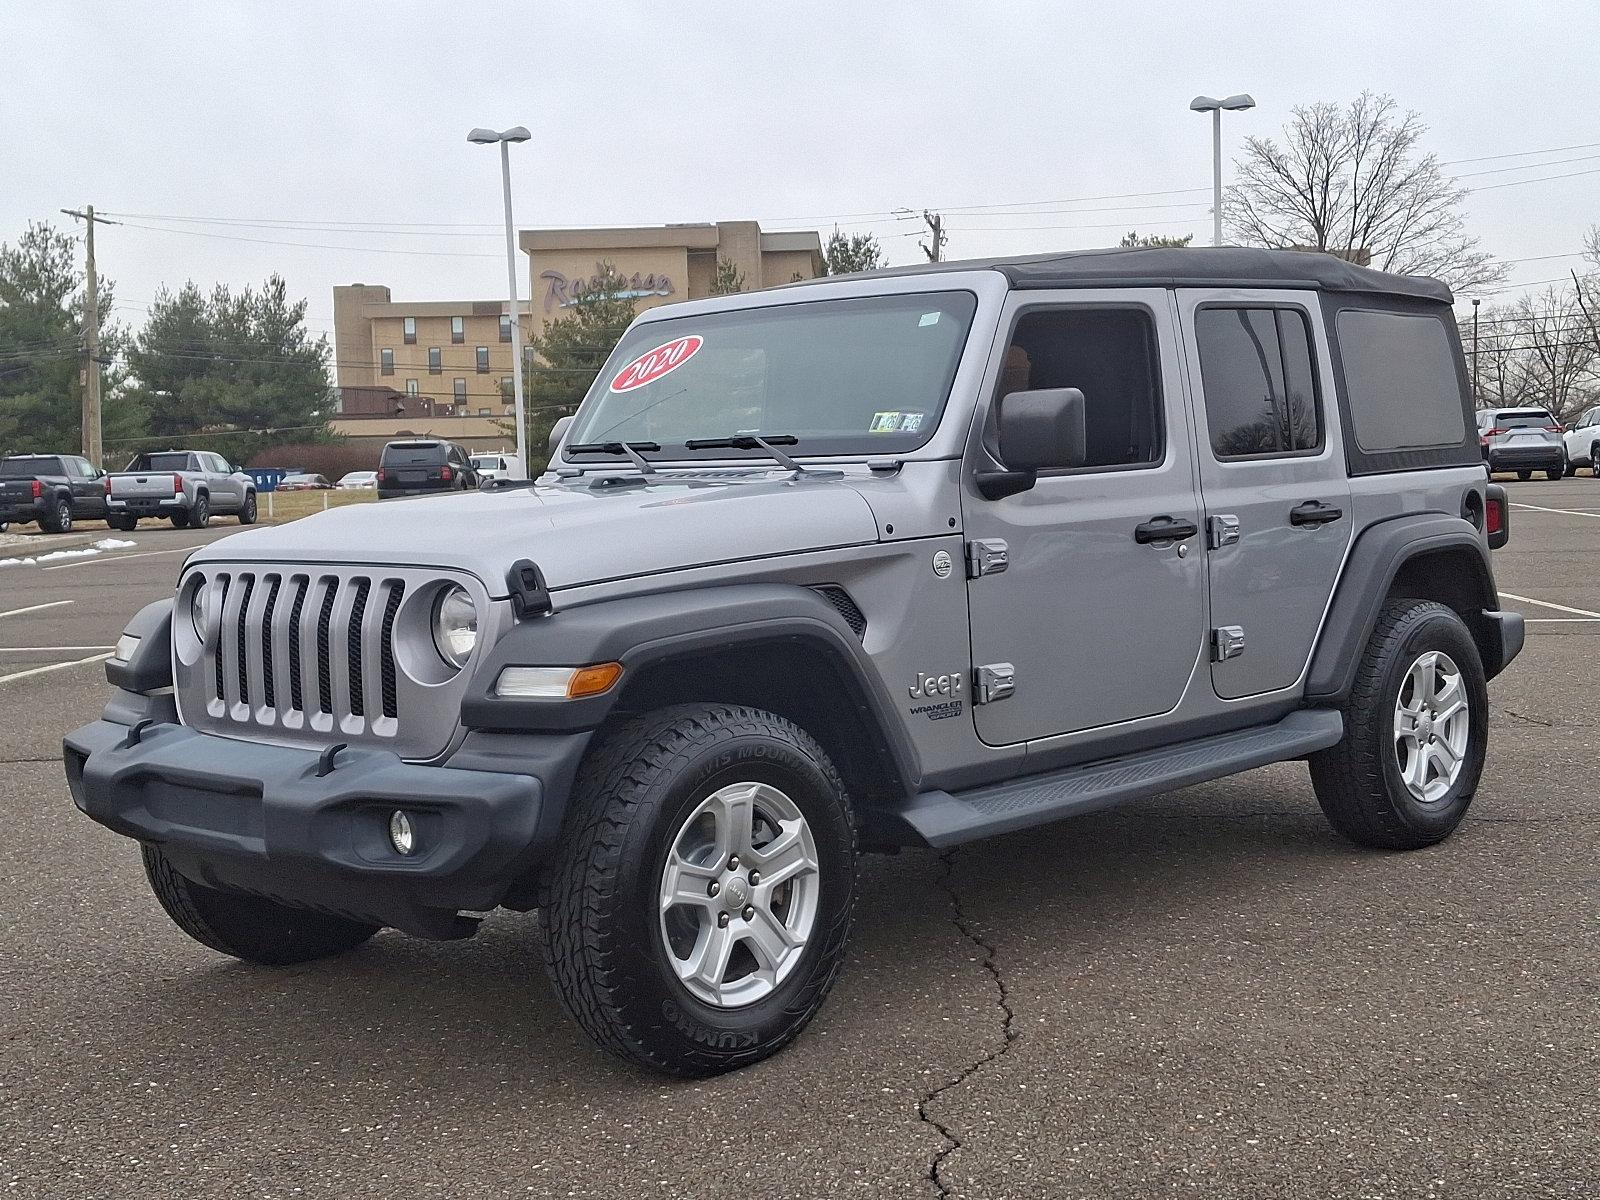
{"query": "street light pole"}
[(1476, 394), (1214, 107), (505, 138)]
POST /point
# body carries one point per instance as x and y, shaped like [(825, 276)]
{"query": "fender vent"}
[(845, 607)]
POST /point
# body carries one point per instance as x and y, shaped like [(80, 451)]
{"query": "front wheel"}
[(247, 514), (696, 912), (251, 928), (1416, 728)]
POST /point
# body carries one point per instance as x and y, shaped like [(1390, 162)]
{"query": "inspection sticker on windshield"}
[(653, 364), (895, 422)]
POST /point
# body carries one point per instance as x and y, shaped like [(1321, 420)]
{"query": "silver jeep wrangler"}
[(909, 558)]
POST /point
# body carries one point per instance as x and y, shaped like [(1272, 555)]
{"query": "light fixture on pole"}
[(1215, 108), (488, 137)]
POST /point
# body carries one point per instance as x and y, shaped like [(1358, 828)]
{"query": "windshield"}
[(858, 376), (26, 468)]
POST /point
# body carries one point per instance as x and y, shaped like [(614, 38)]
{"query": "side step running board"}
[(942, 819)]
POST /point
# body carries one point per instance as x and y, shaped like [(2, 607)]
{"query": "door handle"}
[(1314, 512), (1163, 529)]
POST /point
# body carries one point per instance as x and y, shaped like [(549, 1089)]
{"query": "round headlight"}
[(455, 625), (197, 610)]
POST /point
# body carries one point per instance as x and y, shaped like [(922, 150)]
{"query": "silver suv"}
[(1523, 440), (907, 558)]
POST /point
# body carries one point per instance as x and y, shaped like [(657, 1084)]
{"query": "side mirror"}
[(1037, 431), (559, 431)]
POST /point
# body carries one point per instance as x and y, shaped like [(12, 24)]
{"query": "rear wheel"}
[(1558, 474), (1594, 460), (1416, 730), (123, 524), (696, 913), (249, 927), (247, 514), (1524, 475), (59, 518)]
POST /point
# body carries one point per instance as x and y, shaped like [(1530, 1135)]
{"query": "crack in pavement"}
[(1007, 1028), (1525, 720)]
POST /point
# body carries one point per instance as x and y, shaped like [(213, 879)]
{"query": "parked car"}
[(52, 489), (980, 547), (1523, 440), (491, 467), (358, 480), (188, 487), (303, 483), (417, 465), (1582, 442)]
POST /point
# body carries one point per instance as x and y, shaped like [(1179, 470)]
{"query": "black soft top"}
[(1188, 266)]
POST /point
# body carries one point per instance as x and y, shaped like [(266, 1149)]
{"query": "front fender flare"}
[(641, 631)]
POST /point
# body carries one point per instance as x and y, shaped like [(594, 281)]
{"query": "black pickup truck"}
[(53, 489)]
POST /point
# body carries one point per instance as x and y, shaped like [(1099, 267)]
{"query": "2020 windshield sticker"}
[(653, 364)]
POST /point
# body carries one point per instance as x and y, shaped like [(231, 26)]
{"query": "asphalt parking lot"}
[(1207, 993)]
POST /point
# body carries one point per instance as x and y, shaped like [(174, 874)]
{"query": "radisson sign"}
[(564, 293)]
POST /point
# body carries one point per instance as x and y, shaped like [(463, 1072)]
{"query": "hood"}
[(576, 533)]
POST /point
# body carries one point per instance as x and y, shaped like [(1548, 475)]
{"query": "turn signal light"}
[(557, 683)]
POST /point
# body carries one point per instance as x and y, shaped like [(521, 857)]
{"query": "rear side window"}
[(1401, 381), (1260, 387), (410, 454)]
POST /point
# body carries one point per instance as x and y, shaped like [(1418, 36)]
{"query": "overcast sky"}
[(311, 118)]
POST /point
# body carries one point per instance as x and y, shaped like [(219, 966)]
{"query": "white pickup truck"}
[(188, 487)]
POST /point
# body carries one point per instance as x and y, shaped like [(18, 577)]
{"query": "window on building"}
[(435, 360), (410, 324), (386, 361), (505, 327), (483, 412), (1110, 356), (461, 391), (483, 360), (458, 330), (1400, 381), (411, 387), (507, 391), (1260, 387)]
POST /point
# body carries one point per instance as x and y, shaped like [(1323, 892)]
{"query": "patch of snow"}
[(99, 547)]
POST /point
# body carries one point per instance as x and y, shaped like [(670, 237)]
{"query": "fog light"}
[(400, 833), (127, 647)]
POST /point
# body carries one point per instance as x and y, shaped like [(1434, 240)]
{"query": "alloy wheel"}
[(739, 894), (1432, 726)]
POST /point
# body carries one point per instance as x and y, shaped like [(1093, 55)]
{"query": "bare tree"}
[(1536, 351), (1353, 179)]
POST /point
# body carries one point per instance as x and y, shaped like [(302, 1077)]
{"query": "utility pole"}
[(935, 223), (1477, 396), (91, 338)]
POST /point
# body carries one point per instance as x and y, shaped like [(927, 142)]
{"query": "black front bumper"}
[(259, 818)]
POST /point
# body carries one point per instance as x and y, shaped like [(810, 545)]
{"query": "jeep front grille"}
[(311, 655)]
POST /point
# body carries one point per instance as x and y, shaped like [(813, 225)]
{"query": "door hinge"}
[(1222, 530), (1227, 641), (987, 556), (993, 681)]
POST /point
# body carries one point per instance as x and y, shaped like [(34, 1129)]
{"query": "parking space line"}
[(77, 662), (48, 649), (1582, 612), (1560, 620), (94, 562), (17, 612), (1571, 512)]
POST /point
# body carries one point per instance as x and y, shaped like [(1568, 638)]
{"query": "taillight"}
[(38, 489), (1555, 429), (177, 484), (380, 475), (108, 485), (445, 473), (1496, 432), (1494, 515)]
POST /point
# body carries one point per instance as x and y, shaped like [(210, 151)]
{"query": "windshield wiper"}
[(631, 449), (754, 441)]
